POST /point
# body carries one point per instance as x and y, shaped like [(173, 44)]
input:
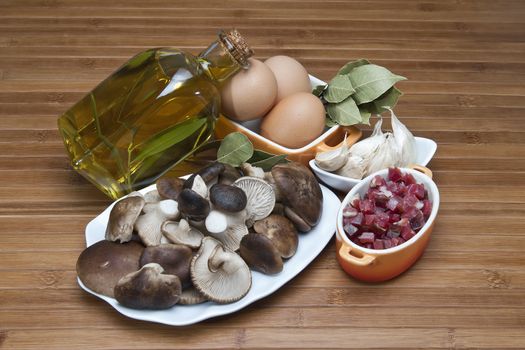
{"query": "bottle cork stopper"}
[(237, 46)]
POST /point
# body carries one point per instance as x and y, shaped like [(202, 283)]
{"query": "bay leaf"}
[(167, 138), (329, 122), (339, 88), (266, 160), (388, 99), (235, 149), (366, 113), (344, 113), (371, 81), (347, 68), (319, 89)]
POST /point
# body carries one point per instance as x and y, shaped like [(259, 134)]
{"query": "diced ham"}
[(367, 237), (391, 212)]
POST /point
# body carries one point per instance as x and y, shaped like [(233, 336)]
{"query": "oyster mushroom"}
[(253, 171), (122, 218), (228, 198), (301, 194), (101, 265), (152, 196), (197, 184), (260, 198), (182, 233), (148, 225), (175, 259), (229, 175), (191, 296), (228, 228), (148, 288), (192, 205), (211, 172), (260, 254), (281, 232), (220, 274), (169, 187)]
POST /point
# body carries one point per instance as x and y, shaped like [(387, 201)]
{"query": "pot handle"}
[(351, 133), (421, 169), (364, 260)]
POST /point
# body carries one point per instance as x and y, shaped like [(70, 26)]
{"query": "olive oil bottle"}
[(153, 112)]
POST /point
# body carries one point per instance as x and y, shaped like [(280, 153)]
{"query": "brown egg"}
[(291, 76), (250, 94), (295, 121)]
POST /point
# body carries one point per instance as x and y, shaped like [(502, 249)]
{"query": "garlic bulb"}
[(406, 143), (385, 155), (379, 151)]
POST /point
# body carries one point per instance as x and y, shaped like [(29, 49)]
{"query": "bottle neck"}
[(225, 56)]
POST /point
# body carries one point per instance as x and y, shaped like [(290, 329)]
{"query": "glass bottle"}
[(150, 114)]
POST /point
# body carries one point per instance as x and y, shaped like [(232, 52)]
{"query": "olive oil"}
[(152, 113)]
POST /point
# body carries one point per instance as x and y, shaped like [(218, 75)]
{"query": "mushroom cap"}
[(101, 265), (298, 221), (260, 254), (231, 237), (191, 296), (281, 232), (193, 205), (122, 218), (300, 189), (152, 196), (220, 274), (260, 197), (148, 225), (229, 175), (148, 288), (175, 259), (228, 198), (169, 187), (211, 172), (182, 233)]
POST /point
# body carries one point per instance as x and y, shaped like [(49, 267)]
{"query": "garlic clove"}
[(334, 159), (354, 168)]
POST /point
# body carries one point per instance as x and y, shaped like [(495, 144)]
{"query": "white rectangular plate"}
[(310, 245)]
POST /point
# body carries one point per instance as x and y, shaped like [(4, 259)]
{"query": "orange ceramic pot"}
[(375, 265)]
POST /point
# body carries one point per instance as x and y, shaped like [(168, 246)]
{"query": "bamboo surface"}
[(465, 64)]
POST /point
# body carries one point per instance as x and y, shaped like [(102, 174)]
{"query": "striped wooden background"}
[(465, 61)]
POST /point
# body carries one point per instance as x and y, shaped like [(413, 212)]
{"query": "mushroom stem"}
[(220, 259)]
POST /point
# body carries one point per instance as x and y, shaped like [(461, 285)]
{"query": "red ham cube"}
[(427, 208), (395, 241), (409, 179), (394, 203), (407, 233), (394, 174), (378, 244), (370, 219), (377, 181), (357, 220), (417, 221), (367, 206), (367, 237), (350, 229), (387, 243), (394, 218), (349, 212), (417, 190)]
